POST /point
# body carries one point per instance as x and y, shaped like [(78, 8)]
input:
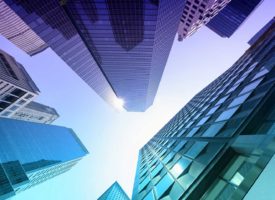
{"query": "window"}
[(196, 149), (192, 132), (213, 129), (227, 114), (168, 157), (202, 121), (149, 196), (212, 110), (156, 170), (222, 100), (251, 86), (179, 146), (163, 185), (13, 108), (239, 100), (180, 166), (144, 183), (28, 96)]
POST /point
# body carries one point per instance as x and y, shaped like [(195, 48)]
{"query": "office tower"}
[(114, 192), (218, 144), (18, 32), (232, 16), (118, 48), (16, 87), (197, 13), (36, 112), (261, 32), (31, 153)]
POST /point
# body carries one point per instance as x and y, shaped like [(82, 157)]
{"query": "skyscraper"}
[(36, 112), (114, 192), (118, 48), (232, 16), (218, 144), (18, 32), (197, 13), (16, 87), (31, 153)]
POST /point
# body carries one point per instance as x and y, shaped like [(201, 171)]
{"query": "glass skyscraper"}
[(229, 19), (31, 153), (114, 192), (218, 144), (119, 48)]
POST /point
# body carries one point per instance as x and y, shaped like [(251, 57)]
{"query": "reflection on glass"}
[(180, 166), (237, 179)]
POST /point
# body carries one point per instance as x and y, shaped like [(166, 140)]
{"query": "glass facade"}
[(229, 19), (31, 153), (118, 48), (218, 144), (114, 192)]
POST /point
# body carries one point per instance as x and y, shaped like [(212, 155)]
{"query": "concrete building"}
[(197, 13), (17, 89), (36, 112)]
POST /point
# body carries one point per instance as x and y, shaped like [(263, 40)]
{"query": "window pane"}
[(156, 170), (179, 146), (213, 129), (180, 166), (163, 185), (227, 114), (149, 196), (196, 149), (251, 86), (239, 100)]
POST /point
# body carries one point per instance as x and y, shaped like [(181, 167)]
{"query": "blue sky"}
[(113, 138)]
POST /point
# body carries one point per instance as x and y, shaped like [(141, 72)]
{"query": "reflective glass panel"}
[(227, 114), (163, 185), (180, 166)]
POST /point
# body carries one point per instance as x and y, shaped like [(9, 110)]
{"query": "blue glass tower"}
[(114, 192), (219, 143), (119, 48), (228, 20), (31, 153)]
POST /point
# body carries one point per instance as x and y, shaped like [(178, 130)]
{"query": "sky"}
[(114, 137)]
